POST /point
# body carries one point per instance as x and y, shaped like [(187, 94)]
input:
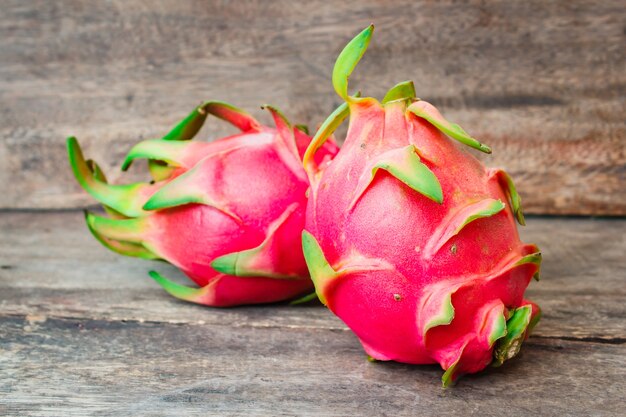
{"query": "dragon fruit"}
[(410, 240), (228, 213)]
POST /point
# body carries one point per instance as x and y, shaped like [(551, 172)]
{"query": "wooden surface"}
[(86, 332), (543, 83)]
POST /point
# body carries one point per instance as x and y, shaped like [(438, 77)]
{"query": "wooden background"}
[(543, 83), (85, 332)]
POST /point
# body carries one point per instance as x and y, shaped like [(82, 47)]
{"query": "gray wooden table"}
[(86, 332)]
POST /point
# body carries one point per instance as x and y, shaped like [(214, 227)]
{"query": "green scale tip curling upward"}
[(124, 199), (346, 63)]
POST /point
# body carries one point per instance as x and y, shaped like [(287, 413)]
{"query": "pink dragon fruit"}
[(410, 240), (227, 213)]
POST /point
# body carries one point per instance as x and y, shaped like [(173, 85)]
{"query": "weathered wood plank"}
[(89, 367), (85, 332), (51, 266), (543, 83)]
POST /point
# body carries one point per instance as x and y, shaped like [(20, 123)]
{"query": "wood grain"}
[(73, 367), (543, 83), (86, 332)]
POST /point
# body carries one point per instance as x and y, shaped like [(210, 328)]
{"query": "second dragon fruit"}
[(228, 213)]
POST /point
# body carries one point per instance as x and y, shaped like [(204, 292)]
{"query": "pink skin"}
[(391, 223), (254, 193), (257, 197), (194, 152), (270, 188)]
